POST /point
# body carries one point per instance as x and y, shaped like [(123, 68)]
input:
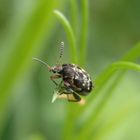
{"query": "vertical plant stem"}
[(84, 31), (74, 16), (72, 110), (68, 127)]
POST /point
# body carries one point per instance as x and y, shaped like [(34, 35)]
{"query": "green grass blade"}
[(95, 113), (103, 78), (25, 47), (70, 34), (133, 54)]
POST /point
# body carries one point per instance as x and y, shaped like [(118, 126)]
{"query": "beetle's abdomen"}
[(76, 78)]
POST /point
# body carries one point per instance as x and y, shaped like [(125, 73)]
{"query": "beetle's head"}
[(56, 69)]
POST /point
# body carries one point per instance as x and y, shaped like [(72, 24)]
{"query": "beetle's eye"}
[(53, 71)]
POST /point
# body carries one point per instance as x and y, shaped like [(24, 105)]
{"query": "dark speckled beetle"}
[(75, 80)]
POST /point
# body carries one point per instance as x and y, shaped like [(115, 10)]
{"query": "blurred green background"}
[(105, 31)]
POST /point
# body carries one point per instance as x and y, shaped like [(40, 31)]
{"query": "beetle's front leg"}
[(56, 76)]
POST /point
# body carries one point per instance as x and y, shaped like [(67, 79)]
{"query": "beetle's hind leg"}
[(53, 77), (70, 97), (73, 97)]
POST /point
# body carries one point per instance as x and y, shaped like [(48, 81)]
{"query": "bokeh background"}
[(29, 29)]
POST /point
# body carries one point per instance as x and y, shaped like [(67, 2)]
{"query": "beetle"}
[(75, 81)]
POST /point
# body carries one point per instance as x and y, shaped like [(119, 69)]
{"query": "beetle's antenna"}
[(42, 62), (61, 52)]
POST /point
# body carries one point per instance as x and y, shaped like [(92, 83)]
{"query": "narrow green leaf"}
[(70, 34), (85, 131)]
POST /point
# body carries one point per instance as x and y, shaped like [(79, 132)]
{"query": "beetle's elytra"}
[(75, 80)]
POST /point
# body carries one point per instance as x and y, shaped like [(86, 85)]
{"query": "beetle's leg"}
[(77, 97), (67, 84), (73, 97), (56, 76)]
